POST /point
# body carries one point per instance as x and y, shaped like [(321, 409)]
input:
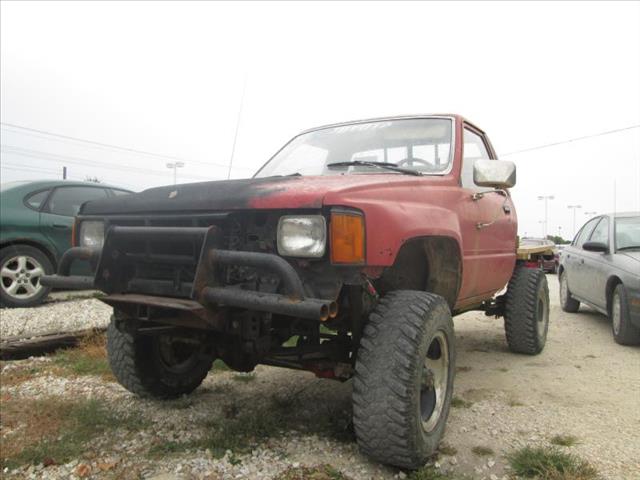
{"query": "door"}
[(597, 266), (56, 218), (574, 259), (489, 223)]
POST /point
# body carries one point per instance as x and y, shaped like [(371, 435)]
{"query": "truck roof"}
[(453, 116)]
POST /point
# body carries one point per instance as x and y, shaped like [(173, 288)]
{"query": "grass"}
[(429, 472), (88, 358), (457, 402), (244, 426), (482, 451), (320, 472), (54, 431), (564, 440), (219, 366), (549, 463), (244, 377), (446, 449)]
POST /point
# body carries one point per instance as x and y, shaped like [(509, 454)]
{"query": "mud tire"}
[(526, 316), (138, 364), (389, 385)]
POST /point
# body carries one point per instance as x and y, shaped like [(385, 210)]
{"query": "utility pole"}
[(175, 166), (545, 198), (64, 173), (574, 208)]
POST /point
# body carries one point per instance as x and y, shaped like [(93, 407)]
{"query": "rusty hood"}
[(254, 193)]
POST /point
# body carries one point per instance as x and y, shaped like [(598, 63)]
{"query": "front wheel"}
[(158, 366), (624, 332), (567, 302), (404, 378)]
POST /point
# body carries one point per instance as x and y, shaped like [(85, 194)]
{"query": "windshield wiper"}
[(385, 165), (630, 247)]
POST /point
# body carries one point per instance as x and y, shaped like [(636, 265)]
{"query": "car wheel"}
[(404, 378), (526, 311), (567, 302), (21, 267), (624, 332), (157, 366)]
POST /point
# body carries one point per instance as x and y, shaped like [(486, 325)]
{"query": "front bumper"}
[(116, 267)]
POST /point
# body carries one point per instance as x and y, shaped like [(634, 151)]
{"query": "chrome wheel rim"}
[(434, 382), (20, 277), (615, 313)]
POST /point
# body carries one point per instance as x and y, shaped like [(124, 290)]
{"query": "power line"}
[(46, 156), (12, 166), (24, 168), (36, 131), (547, 145)]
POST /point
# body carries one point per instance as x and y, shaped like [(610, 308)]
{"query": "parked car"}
[(549, 262), (601, 268), (378, 230), (35, 230)]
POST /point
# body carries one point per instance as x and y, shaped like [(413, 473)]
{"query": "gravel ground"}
[(583, 384), (62, 313)]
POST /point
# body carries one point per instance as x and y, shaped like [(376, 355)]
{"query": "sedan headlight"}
[(302, 236), (92, 233)]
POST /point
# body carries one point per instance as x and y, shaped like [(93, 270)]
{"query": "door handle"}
[(61, 226)]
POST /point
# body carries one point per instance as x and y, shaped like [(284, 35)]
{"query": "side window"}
[(35, 200), (474, 149), (584, 233), (67, 200), (601, 232)]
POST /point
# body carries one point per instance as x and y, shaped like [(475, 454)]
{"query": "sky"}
[(168, 79)]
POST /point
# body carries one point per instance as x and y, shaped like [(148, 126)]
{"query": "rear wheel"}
[(159, 366), (404, 378), (21, 267), (567, 302), (526, 316), (624, 332)]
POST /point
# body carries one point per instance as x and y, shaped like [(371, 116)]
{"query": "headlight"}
[(302, 236), (92, 233)]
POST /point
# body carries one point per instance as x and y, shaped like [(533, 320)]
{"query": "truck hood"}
[(253, 193)]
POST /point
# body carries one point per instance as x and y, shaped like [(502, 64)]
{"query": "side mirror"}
[(494, 173), (595, 247)]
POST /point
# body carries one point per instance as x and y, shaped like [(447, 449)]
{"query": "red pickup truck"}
[(359, 240)]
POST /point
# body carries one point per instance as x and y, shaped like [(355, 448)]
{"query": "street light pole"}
[(574, 208), (175, 166), (545, 198)]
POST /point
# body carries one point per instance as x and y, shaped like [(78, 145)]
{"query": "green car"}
[(36, 219)]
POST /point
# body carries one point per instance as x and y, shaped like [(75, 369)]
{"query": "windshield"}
[(627, 232), (422, 145)]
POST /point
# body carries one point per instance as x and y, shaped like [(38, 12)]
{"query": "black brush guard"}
[(117, 263)]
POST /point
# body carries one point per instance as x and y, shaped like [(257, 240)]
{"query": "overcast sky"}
[(168, 78)]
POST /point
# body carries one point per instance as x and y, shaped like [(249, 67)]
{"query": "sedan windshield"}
[(627, 233), (420, 145)]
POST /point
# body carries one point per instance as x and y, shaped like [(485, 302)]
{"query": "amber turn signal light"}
[(347, 238), (74, 243)]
